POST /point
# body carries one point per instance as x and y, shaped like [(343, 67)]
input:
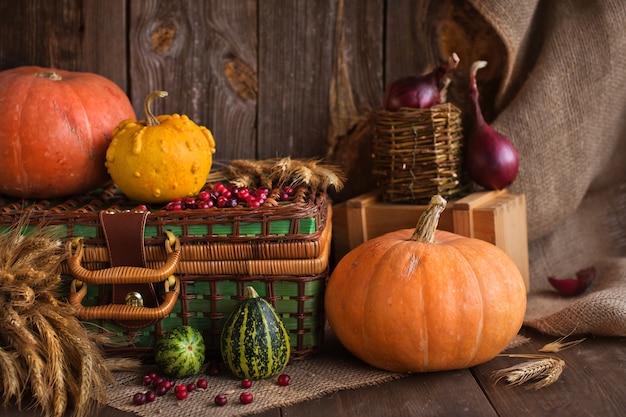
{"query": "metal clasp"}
[(134, 299)]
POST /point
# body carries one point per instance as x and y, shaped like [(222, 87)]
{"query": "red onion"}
[(420, 92), (576, 285), (491, 158)]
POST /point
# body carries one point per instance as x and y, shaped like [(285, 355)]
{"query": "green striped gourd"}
[(180, 352), (254, 342)]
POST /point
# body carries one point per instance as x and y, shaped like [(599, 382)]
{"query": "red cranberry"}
[(202, 384), (204, 195), (146, 380), (191, 387), (246, 397), (181, 395), (156, 381), (150, 396), (139, 398), (220, 400), (161, 390), (180, 387), (246, 383), (284, 380), (243, 194)]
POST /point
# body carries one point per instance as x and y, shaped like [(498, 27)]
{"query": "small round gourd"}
[(424, 300), (254, 342), (161, 158)]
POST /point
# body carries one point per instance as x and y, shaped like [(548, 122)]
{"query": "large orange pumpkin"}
[(424, 300), (55, 127)]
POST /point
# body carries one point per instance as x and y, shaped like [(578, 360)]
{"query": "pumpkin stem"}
[(251, 292), (51, 75), (151, 119), (428, 221)]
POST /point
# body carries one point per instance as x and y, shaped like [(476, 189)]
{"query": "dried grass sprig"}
[(540, 372), (560, 344), (46, 355), (278, 172)]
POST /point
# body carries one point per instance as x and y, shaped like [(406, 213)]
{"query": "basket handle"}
[(123, 274), (123, 311)]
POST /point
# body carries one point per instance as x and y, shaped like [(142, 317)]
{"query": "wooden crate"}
[(493, 216)]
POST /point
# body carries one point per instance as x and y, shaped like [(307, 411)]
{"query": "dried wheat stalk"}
[(279, 172), (44, 349), (540, 372)]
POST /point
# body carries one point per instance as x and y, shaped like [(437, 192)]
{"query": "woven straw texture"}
[(417, 153), (563, 103)]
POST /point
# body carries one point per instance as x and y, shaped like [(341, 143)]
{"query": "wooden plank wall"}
[(270, 78)]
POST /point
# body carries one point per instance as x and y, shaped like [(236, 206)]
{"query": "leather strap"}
[(124, 235)]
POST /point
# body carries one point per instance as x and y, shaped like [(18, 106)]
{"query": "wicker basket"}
[(282, 250), (418, 153)]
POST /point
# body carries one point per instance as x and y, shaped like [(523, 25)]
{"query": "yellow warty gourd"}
[(161, 158)]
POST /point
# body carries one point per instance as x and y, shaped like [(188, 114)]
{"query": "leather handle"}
[(122, 274), (122, 311)]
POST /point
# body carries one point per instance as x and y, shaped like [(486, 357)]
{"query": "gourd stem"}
[(251, 293), (51, 75), (428, 221), (151, 119)]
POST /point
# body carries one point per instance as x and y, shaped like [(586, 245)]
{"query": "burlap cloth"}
[(563, 103), (333, 369)]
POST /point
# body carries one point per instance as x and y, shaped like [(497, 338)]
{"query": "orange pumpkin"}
[(425, 300), (55, 127)]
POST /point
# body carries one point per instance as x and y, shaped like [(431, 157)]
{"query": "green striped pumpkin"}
[(180, 352), (254, 341)]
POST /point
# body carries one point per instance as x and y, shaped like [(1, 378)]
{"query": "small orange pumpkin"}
[(55, 127), (161, 158), (424, 300)]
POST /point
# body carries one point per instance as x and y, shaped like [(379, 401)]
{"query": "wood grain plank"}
[(295, 55), (436, 394), (70, 34), (410, 36), (592, 383), (204, 54)]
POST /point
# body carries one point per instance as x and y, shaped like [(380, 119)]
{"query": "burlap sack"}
[(562, 102)]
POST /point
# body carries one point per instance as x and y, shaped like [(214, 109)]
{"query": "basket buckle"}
[(134, 299)]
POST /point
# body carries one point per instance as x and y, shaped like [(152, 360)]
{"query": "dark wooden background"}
[(270, 78)]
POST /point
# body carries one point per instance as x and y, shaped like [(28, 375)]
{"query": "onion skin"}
[(420, 92), (492, 160)]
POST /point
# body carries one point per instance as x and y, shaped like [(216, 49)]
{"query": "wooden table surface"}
[(593, 384)]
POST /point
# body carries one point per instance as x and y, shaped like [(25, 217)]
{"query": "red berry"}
[(167, 384), (243, 194), (156, 381), (204, 195), (284, 196), (146, 380), (202, 384), (288, 190), (139, 398), (221, 400), (284, 380), (181, 395), (191, 387), (161, 390), (180, 387), (222, 201), (153, 374), (219, 187), (189, 202), (246, 397), (246, 383), (150, 396)]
